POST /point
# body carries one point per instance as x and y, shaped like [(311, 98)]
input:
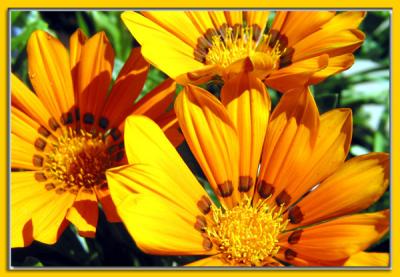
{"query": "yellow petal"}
[(248, 105), (328, 153), (368, 259), (337, 239), (84, 212), (147, 197), (290, 138), (177, 56), (212, 137), (50, 74), (27, 196), (234, 18), (345, 20), (95, 69), (353, 187), (297, 74), (49, 220), (257, 20), (127, 87), (24, 155)]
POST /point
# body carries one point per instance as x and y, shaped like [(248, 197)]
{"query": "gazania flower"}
[(64, 136), (299, 208), (305, 46)]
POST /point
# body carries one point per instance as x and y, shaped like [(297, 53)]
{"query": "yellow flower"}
[(305, 46), (257, 174), (64, 136)]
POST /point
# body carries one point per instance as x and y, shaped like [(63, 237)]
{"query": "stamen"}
[(247, 234)]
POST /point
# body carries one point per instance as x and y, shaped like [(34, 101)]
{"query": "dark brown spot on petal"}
[(200, 223), (204, 204), (39, 176), (286, 58), (67, 118), (245, 183), (43, 131), (103, 122), (295, 215), (265, 189), (87, 190), (290, 254), (40, 144), (103, 186), (119, 156), (77, 114), (283, 198), (49, 186), (226, 189), (295, 237), (88, 118), (115, 133), (73, 191), (207, 244), (37, 160), (53, 124), (60, 190)]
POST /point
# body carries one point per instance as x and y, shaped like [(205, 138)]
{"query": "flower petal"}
[(95, 69), (177, 57), (170, 126), (147, 197), (212, 138), (50, 74), (297, 74), (290, 138), (345, 191), (335, 240), (76, 42), (49, 220), (368, 259), (127, 87), (335, 65), (248, 105), (84, 212), (104, 196), (257, 20), (24, 155)]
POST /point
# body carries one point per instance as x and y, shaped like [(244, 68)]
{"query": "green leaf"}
[(32, 261), (326, 101)]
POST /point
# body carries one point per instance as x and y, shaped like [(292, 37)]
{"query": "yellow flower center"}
[(79, 159), (247, 234), (236, 45)]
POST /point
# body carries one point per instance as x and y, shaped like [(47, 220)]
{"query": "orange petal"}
[(25, 100), (345, 20), (95, 69), (257, 20), (248, 105), (127, 87), (212, 137), (50, 74), (215, 260), (108, 206), (368, 259), (335, 240), (76, 42), (335, 65), (234, 18), (345, 191), (329, 152), (297, 74), (290, 138), (170, 126), (84, 212), (156, 102)]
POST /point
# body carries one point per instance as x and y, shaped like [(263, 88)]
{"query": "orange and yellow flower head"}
[(299, 48), (281, 190), (66, 134)]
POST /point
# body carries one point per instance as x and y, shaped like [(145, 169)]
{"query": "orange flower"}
[(283, 191), (301, 47), (65, 136)]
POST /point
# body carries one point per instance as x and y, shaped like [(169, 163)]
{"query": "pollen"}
[(236, 45), (247, 234), (78, 159)]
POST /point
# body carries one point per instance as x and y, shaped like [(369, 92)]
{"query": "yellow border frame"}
[(390, 4)]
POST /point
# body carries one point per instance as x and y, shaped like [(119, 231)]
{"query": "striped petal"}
[(368, 259)]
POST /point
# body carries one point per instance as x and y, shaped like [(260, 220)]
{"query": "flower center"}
[(247, 234), (236, 45), (79, 159)]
